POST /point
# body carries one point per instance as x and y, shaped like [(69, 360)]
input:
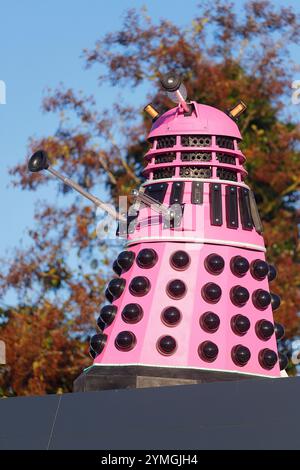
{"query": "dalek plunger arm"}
[(39, 161)]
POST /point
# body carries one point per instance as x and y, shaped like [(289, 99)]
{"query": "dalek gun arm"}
[(172, 215), (39, 161), (153, 203)]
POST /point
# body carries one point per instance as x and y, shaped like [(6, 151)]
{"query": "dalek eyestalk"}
[(175, 89)]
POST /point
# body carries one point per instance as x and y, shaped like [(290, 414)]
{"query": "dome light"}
[(151, 111), (238, 109)]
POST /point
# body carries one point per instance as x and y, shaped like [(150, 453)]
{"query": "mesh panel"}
[(224, 174), (166, 141), (165, 158), (195, 171), (224, 158), (163, 173), (196, 156), (196, 140), (225, 142)]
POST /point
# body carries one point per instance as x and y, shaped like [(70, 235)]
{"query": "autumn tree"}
[(58, 280)]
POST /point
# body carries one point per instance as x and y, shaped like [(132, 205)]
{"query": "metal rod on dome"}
[(182, 101), (39, 161), (175, 89)]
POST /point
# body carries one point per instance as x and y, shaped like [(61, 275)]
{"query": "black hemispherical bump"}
[(208, 351), (264, 329), (211, 292), (147, 258), (108, 295), (171, 316), (100, 323), (117, 268), (275, 301), (132, 313), (107, 315), (125, 341), (125, 260), (176, 289), (98, 342), (279, 331), (272, 273), (239, 265), (214, 263), (166, 345), (239, 295), (259, 269), (283, 361), (267, 358), (139, 286), (240, 355), (92, 353), (116, 287), (261, 299), (240, 324), (209, 322), (180, 260)]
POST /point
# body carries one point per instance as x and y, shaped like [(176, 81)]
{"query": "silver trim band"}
[(183, 367), (211, 241), (203, 180)]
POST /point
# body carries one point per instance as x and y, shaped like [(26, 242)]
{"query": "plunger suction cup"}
[(38, 161)]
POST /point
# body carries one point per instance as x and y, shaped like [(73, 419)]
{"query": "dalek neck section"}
[(203, 156)]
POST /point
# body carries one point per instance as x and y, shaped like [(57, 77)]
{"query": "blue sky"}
[(40, 45)]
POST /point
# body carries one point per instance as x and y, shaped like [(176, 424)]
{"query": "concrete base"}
[(98, 378)]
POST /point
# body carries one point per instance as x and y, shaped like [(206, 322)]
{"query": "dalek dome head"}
[(201, 119), (190, 117)]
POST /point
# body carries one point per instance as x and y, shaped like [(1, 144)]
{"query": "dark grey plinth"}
[(249, 414)]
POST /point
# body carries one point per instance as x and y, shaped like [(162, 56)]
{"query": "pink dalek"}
[(191, 300)]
